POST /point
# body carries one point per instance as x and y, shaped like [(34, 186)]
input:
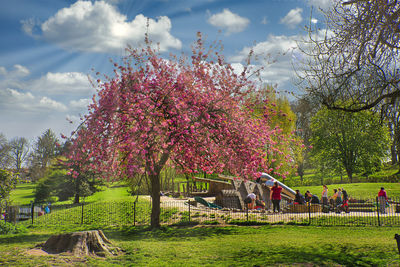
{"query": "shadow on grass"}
[(26, 186), (24, 238), (169, 232), (326, 255), (27, 196)]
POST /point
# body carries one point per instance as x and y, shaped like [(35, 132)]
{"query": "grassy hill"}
[(24, 194)]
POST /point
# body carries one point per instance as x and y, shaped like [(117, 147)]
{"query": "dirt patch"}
[(37, 252)]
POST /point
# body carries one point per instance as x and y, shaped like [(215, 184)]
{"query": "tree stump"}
[(85, 243)]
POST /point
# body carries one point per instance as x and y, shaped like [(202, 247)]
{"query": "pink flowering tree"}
[(191, 112)]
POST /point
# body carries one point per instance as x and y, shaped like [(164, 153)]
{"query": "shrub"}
[(9, 228)]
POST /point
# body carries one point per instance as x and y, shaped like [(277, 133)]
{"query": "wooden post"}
[(377, 210), (32, 210)]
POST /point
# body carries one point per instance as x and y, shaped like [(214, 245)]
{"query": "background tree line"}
[(41, 161)]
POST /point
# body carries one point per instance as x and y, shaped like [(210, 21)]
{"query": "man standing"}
[(382, 198), (276, 196)]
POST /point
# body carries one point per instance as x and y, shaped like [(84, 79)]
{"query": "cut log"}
[(85, 243)]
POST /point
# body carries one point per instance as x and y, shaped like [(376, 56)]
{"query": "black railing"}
[(183, 211)]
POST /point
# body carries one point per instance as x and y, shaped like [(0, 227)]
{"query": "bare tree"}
[(354, 64), (5, 160), (304, 109), (391, 114), (19, 151)]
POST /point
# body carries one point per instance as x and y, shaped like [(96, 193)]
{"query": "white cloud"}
[(276, 69), (12, 99), (314, 21), (278, 55), (99, 27), (14, 77), (80, 104), (274, 45), (28, 26), (19, 94), (16, 97), (18, 72), (46, 102), (3, 71), (230, 22), (62, 83), (293, 18)]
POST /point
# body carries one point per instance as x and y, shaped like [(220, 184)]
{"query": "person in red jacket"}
[(382, 198), (276, 196)]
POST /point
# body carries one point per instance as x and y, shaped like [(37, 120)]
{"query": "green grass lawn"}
[(115, 192), (24, 194), (221, 246)]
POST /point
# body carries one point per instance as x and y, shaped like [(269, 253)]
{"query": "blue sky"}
[(49, 48)]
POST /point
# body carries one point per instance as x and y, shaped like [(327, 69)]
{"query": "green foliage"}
[(47, 187), (59, 184), (44, 151), (350, 142), (283, 119), (8, 181), (9, 228), (312, 177)]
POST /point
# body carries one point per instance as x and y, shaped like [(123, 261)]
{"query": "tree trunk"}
[(76, 199), (80, 244), (155, 195), (393, 153), (350, 175), (77, 182)]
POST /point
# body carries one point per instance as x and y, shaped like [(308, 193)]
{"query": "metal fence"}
[(362, 212)]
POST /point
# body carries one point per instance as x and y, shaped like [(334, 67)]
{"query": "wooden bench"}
[(296, 208)]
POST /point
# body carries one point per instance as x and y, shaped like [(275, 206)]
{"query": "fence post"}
[(377, 211), (82, 213), (134, 213), (189, 208), (32, 210), (309, 212), (247, 213)]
